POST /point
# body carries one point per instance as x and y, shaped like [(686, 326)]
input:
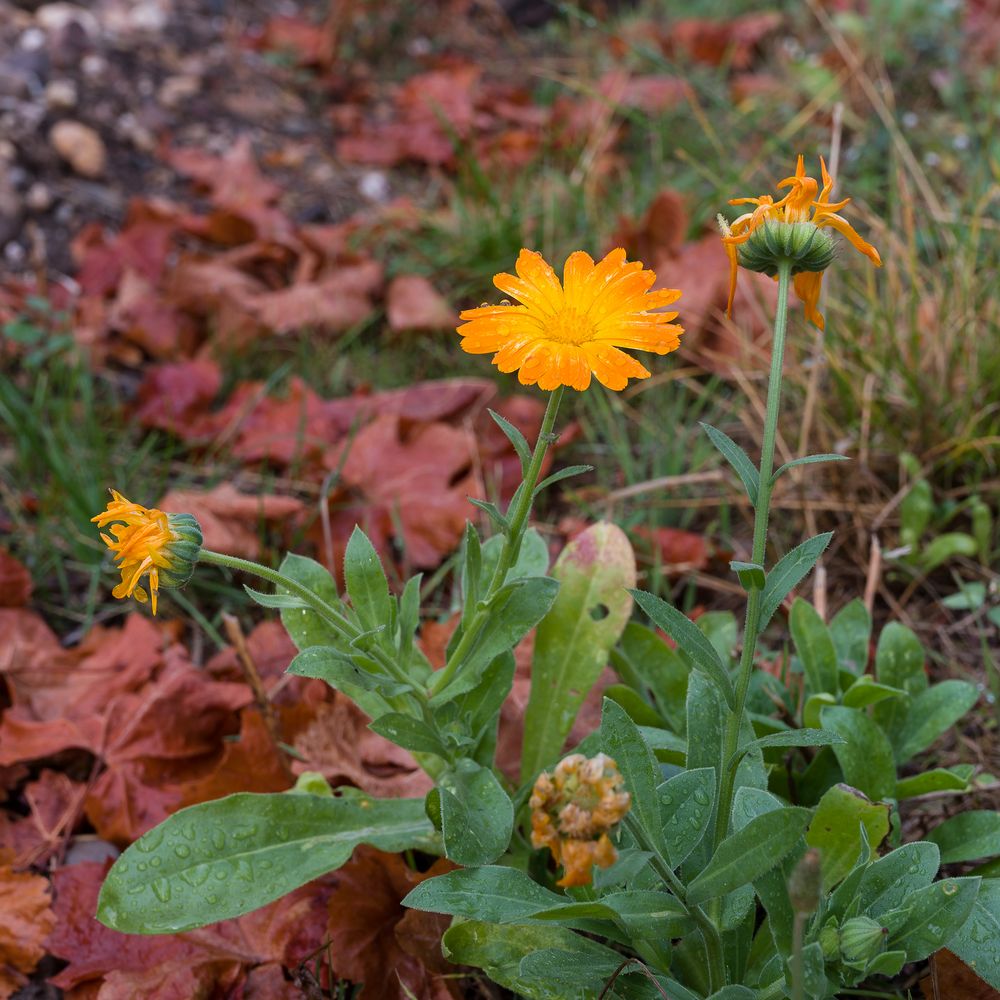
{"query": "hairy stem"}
[(517, 519)]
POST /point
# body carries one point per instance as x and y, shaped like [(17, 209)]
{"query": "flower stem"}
[(709, 932), (751, 631), (517, 519)]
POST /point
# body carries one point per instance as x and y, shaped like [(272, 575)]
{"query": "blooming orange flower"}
[(572, 811), (149, 542), (805, 195), (562, 334)]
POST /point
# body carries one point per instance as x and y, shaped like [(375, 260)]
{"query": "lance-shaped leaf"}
[(574, 640), (788, 572), (219, 859), (977, 941), (968, 836), (836, 829), (306, 627), (750, 852), (477, 815), (814, 644), (865, 755), (737, 458), (690, 639)]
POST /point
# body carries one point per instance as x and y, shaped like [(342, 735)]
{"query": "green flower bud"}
[(312, 783), (829, 938), (808, 247), (861, 939)]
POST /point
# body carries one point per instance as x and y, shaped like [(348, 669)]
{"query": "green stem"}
[(516, 522), (751, 631), (709, 932)]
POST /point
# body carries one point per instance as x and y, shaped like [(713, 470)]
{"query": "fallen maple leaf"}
[(25, 921), (413, 303), (15, 582), (368, 933), (419, 480), (676, 550), (55, 804), (951, 979), (174, 396)]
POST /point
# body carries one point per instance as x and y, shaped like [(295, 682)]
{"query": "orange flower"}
[(149, 542), (572, 811), (561, 334), (808, 246)]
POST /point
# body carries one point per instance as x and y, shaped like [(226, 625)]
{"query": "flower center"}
[(570, 326)]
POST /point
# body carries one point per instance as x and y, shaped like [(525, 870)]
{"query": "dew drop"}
[(245, 832), (700, 797), (266, 863), (196, 876), (135, 888), (483, 305), (694, 822), (667, 800), (505, 302), (182, 850), (149, 841), (211, 899), (914, 869), (161, 889), (218, 836), (221, 873), (244, 870), (188, 831), (949, 888), (155, 862), (142, 866)]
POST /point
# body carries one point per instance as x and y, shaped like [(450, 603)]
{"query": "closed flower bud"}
[(861, 939)]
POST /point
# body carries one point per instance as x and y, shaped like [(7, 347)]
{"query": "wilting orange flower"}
[(805, 195), (149, 542), (572, 811), (561, 334)]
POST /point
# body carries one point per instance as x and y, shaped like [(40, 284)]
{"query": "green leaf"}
[(945, 547), (532, 557), (690, 639), (622, 741), (492, 511), (558, 477), (938, 780), (648, 660), (788, 572), (477, 816), (220, 859), (735, 993), (366, 583), (306, 627), (899, 663), (515, 437), (666, 746), (851, 629), (573, 640), (749, 853), (807, 460), (791, 738), (477, 710), (936, 914), (865, 756), (968, 836), (932, 713), (639, 710), (867, 691), (814, 644), (737, 458), (751, 575), (915, 513), (835, 829), (493, 893), (499, 950), (266, 600), (409, 733), (686, 809), (367, 689), (976, 941), (888, 882), (644, 913)]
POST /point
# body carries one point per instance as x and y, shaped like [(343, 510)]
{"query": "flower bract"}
[(564, 333)]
